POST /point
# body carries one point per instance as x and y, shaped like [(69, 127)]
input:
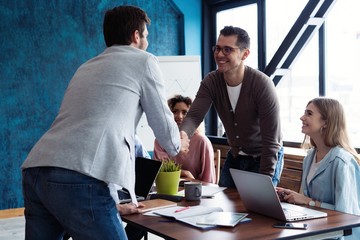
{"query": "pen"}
[(208, 196), (182, 209)]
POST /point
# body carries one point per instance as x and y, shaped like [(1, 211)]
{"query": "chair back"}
[(217, 164)]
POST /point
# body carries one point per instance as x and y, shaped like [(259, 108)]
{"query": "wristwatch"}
[(312, 203)]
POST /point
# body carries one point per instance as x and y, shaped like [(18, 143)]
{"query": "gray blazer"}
[(94, 131)]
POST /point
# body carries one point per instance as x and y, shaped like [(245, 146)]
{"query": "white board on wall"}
[(182, 75)]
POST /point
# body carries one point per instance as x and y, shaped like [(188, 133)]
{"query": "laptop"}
[(259, 195), (146, 171)]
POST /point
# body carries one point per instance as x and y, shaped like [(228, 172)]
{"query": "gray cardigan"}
[(94, 131)]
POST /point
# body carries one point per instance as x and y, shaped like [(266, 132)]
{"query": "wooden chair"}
[(217, 161), (292, 171)]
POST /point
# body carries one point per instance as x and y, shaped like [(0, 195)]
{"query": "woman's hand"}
[(290, 196), (129, 208), (187, 174)]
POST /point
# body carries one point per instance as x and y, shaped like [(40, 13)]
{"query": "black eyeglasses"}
[(225, 50)]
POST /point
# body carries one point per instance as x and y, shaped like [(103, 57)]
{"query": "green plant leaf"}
[(169, 165)]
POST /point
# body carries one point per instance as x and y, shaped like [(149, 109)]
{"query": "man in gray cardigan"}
[(91, 142), (248, 107)]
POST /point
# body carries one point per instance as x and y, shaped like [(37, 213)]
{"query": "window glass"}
[(244, 17), (280, 17), (301, 83), (343, 61), (296, 89)]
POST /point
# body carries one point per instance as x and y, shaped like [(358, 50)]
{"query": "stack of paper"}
[(201, 216)]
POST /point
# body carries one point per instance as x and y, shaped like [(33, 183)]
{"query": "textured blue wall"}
[(42, 43)]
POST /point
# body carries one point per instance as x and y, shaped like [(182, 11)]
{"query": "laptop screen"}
[(146, 171)]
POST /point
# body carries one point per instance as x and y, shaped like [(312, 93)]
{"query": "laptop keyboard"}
[(289, 213)]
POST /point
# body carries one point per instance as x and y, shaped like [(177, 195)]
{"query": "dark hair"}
[(243, 39), (179, 98), (121, 22)]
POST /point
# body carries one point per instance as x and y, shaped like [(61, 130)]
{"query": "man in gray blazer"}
[(91, 141)]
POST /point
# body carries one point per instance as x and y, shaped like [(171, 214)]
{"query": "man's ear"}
[(246, 53), (135, 37)]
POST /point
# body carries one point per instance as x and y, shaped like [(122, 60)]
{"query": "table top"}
[(259, 228)]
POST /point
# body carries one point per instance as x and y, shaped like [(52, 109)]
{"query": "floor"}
[(14, 229)]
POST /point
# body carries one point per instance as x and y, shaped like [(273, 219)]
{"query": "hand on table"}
[(129, 208), (187, 174)]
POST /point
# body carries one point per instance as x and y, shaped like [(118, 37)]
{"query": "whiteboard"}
[(182, 75)]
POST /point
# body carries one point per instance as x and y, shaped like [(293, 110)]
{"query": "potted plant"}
[(167, 180)]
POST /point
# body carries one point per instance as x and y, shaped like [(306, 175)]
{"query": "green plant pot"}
[(167, 182)]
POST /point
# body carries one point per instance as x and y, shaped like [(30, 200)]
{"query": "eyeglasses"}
[(225, 50)]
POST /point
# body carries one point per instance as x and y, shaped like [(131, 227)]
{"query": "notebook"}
[(225, 219), (155, 204), (259, 195), (146, 171), (202, 216)]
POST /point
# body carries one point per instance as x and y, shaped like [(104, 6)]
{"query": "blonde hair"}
[(335, 133)]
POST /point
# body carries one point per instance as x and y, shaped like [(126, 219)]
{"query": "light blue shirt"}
[(336, 183), (140, 150)]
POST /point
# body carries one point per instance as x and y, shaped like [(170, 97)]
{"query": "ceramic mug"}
[(192, 191)]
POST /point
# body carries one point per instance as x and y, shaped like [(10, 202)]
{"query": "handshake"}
[(185, 142)]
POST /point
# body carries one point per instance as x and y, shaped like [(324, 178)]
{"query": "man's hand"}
[(129, 208), (185, 142)]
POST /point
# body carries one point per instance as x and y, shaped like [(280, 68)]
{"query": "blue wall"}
[(192, 15), (42, 44)]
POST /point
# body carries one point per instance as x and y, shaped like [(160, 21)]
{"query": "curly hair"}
[(178, 98)]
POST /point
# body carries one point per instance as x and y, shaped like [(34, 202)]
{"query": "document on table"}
[(225, 219), (198, 216)]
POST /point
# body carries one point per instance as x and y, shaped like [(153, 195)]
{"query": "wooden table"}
[(259, 228)]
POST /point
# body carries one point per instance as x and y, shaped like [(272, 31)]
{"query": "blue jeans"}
[(250, 164), (58, 200)]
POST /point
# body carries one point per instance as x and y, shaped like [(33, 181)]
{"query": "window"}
[(343, 61), (301, 83)]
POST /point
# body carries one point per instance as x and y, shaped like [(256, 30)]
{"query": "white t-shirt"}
[(234, 94), (314, 166)]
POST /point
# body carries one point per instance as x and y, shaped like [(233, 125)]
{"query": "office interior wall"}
[(193, 25), (42, 44)]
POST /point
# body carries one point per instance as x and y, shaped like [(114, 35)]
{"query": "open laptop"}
[(259, 195), (146, 171)]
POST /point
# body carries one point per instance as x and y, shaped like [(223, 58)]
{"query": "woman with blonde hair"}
[(335, 133), (331, 171)]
